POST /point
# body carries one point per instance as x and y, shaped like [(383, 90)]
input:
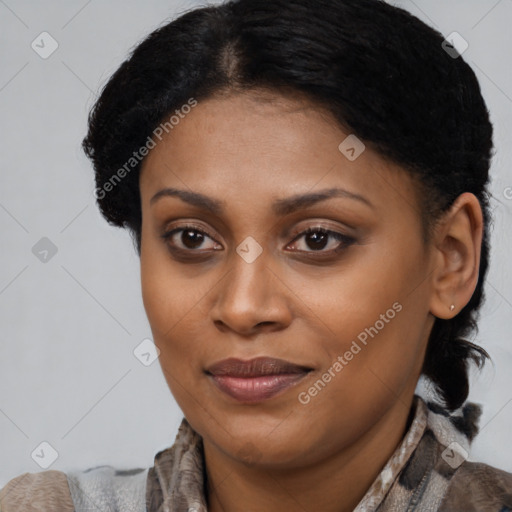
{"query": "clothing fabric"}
[(106, 488), (427, 472)]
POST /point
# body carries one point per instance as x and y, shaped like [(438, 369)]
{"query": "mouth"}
[(255, 380)]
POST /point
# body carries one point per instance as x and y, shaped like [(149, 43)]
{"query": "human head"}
[(380, 72)]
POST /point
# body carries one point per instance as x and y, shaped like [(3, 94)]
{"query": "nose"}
[(252, 298)]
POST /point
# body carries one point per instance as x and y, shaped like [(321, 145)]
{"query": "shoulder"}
[(31, 492), (115, 489), (76, 491), (478, 487)]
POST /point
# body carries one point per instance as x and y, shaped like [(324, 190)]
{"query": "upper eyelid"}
[(296, 234), (289, 232), (190, 227)]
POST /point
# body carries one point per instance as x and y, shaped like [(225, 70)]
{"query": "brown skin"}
[(294, 302)]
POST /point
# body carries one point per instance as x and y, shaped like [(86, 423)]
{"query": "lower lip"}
[(256, 389)]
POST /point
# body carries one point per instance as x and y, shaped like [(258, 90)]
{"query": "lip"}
[(257, 379)]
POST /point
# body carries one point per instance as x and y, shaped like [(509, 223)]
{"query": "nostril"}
[(264, 323)]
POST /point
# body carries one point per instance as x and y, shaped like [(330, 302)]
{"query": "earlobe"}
[(457, 247)]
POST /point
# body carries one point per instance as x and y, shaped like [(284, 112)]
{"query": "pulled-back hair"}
[(381, 72)]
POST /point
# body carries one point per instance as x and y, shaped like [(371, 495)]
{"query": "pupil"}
[(195, 239), (319, 240)]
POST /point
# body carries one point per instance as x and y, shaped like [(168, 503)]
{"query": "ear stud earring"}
[(452, 307)]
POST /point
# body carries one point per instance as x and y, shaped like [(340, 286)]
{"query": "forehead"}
[(265, 145)]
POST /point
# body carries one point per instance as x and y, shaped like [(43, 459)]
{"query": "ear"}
[(457, 246)]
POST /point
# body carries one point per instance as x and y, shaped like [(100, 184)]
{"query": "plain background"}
[(68, 375)]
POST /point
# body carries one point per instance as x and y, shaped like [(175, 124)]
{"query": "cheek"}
[(175, 304), (177, 308), (157, 296), (165, 294), (373, 314), (354, 297), (169, 308)]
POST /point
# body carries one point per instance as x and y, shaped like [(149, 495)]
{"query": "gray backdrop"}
[(71, 319)]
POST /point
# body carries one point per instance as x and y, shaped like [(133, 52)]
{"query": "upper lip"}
[(257, 367)]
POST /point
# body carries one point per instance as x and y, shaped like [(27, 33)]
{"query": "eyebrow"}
[(280, 207)]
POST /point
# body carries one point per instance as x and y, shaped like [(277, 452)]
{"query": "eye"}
[(191, 239), (318, 238), (188, 239)]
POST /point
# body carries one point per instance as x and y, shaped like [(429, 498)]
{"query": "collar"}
[(176, 482)]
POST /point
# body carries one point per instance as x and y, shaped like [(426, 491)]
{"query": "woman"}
[(311, 243)]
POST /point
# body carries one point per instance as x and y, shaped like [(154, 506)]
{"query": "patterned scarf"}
[(427, 472), (415, 478)]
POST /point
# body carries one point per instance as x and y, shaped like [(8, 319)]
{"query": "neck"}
[(336, 484)]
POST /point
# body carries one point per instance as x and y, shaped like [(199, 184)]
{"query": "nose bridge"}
[(248, 293), (248, 267)]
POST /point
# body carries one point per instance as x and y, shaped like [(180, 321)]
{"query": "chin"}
[(281, 450)]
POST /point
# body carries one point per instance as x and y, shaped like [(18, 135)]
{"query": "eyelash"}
[(345, 241)]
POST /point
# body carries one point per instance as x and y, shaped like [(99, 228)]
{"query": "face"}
[(281, 246)]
